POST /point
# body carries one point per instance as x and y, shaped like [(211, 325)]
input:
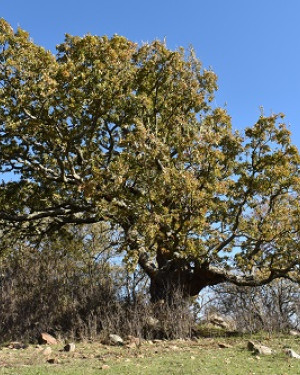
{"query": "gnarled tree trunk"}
[(178, 276)]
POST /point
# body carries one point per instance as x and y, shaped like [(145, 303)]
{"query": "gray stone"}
[(294, 333), (259, 349), (116, 339), (263, 350), (292, 354), (17, 345), (222, 322), (70, 347), (224, 345), (46, 338), (133, 342)]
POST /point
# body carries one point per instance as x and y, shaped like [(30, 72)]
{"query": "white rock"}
[(263, 350), (259, 349), (222, 322), (292, 354), (115, 339), (294, 333)]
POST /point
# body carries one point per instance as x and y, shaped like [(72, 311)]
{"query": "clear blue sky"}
[(253, 45)]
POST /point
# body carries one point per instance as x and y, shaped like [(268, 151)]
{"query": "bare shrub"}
[(273, 307), (49, 294), (139, 317), (74, 287)]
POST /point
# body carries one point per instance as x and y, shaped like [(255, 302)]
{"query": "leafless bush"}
[(141, 318), (51, 293), (74, 288), (273, 307)]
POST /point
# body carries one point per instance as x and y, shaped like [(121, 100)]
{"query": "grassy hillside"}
[(202, 356)]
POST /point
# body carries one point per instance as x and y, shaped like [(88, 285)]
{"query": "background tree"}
[(109, 131)]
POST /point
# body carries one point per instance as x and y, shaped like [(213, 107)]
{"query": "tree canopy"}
[(109, 131)]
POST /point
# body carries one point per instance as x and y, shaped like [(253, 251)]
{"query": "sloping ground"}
[(202, 356)]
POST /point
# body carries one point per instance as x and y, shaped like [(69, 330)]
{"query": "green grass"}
[(176, 357)]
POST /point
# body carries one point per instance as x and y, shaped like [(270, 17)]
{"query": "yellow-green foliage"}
[(110, 131)]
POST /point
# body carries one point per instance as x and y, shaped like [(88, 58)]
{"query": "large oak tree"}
[(109, 131)]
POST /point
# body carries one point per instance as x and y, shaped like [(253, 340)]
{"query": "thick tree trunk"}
[(170, 284), (178, 277), (189, 276)]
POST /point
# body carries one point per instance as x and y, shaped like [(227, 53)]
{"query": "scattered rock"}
[(17, 345), (223, 345), (52, 361), (105, 367), (116, 340), (294, 333), (221, 322), (133, 342), (46, 338), (47, 351), (264, 350), (292, 354), (70, 347), (259, 349), (217, 320)]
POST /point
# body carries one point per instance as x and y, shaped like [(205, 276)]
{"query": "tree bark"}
[(178, 277)]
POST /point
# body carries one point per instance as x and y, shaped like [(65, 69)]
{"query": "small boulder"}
[(292, 354), (294, 333), (263, 350), (223, 345), (52, 361), (115, 339), (222, 322), (133, 342), (70, 347), (17, 345), (259, 349), (46, 338)]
